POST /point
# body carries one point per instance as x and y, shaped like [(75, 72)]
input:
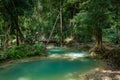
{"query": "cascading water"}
[(61, 53)]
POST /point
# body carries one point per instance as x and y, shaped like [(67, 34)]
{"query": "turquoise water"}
[(48, 69), (58, 50)]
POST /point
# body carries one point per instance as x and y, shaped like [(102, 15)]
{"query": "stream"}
[(61, 64)]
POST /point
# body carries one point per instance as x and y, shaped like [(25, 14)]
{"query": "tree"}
[(12, 10), (94, 15), (115, 14)]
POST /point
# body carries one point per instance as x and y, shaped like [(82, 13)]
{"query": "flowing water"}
[(51, 68)]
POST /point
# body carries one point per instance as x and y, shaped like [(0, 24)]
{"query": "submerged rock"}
[(68, 56)]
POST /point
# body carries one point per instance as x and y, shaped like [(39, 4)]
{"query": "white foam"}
[(23, 78), (68, 55), (73, 55)]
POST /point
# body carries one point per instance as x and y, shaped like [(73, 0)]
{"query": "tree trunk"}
[(19, 35), (117, 35), (61, 24), (98, 47), (98, 38), (117, 21), (5, 36), (17, 30)]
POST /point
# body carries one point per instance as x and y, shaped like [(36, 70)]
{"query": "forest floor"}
[(100, 74)]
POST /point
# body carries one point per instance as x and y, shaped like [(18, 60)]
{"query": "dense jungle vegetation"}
[(28, 26)]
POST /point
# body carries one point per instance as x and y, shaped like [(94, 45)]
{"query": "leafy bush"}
[(16, 52), (24, 51), (109, 35), (0, 57), (39, 49)]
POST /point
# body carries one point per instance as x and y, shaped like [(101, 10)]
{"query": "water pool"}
[(48, 69)]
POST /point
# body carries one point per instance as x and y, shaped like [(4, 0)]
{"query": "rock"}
[(93, 54), (50, 46), (106, 78), (117, 77)]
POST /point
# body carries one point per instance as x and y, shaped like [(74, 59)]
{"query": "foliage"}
[(1, 55), (17, 52), (31, 21), (39, 49), (109, 38), (24, 51), (11, 11), (80, 18)]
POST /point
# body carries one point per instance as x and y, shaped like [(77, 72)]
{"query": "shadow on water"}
[(49, 69)]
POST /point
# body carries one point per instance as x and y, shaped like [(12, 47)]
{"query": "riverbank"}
[(8, 62), (103, 74), (97, 74)]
